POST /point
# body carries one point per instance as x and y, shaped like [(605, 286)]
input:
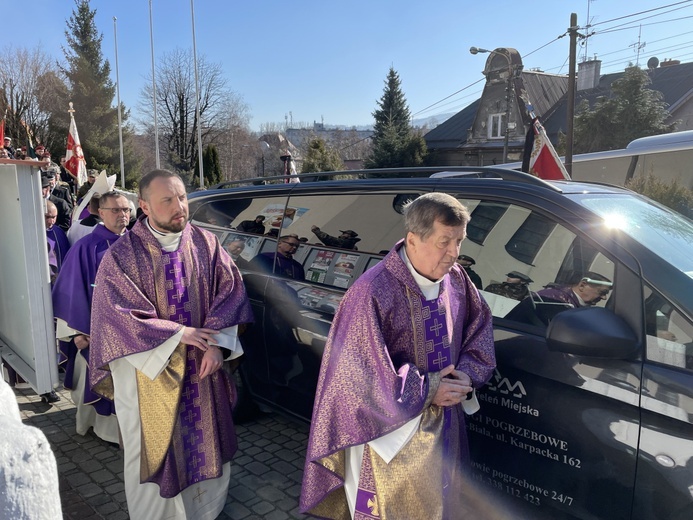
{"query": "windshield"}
[(663, 231)]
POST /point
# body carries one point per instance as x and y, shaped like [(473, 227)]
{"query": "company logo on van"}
[(502, 385)]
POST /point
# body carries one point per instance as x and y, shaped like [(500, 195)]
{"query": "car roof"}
[(404, 177)]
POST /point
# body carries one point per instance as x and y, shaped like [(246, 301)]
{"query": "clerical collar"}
[(580, 300), (429, 288), (119, 234), (168, 241)]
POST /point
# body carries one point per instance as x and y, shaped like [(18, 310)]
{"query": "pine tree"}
[(211, 166), (394, 141), (633, 111), (92, 93), (321, 158)]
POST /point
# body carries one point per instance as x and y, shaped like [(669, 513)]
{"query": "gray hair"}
[(424, 211)]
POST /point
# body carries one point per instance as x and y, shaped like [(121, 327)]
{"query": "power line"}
[(482, 79), (642, 12), (629, 25), (607, 31), (448, 97)]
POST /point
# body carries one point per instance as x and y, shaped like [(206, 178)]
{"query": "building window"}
[(528, 239), (484, 218), (496, 126)]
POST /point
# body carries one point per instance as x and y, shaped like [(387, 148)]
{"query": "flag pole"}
[(120, 118), (156, 122), (197, 98)]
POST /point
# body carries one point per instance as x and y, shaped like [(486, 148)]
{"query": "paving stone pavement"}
[(265, 478)]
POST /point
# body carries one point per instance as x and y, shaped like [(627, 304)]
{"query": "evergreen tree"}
[(394, 142), (211, 166), (633, 111), (321, 158), (92, 93)]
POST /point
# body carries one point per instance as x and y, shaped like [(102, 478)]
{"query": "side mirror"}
[(591, 331)]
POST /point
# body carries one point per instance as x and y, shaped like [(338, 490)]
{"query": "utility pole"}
[(570, 112)]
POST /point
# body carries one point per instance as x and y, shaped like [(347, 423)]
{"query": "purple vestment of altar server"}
[(143, 297), (379, 371), (72, 295)]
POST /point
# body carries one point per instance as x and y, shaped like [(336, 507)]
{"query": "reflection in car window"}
[(484, 217), (669, 334), (524, 253), (529, 238)]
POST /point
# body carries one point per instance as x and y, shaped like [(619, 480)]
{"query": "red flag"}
[(2, 132), (74, 158), (540, 157)]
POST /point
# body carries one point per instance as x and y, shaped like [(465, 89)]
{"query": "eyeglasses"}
[(51, 216), (116, 211), (292, 244)]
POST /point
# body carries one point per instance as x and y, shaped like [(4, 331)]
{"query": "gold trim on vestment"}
[(418, 333), (399, 495), (158, 402), (159, 399)]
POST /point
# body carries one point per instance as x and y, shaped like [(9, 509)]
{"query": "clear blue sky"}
[(314, 60)]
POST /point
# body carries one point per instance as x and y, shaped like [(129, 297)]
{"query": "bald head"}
[(51, 214)]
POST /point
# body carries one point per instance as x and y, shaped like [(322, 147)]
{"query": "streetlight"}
[(508, 90)]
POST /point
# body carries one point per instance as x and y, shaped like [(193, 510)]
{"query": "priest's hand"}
[(198, 337), (453, 388), (81, 341), (212, 360)]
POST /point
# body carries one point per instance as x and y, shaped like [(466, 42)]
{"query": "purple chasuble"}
[(144, 296), (72, 295), (385, 319)]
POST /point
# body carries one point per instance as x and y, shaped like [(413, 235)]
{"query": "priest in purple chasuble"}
[(168, 301), (410, 342), (72, 296)]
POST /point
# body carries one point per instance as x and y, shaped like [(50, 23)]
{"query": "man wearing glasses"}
[(283, 264), (72, 295), (589, 290)]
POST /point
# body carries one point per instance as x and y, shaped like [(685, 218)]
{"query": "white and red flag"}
[(540, 158), (74, 158)]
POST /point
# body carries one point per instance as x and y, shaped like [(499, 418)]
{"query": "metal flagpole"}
[(120, 118), (197, 98), (156, 120)]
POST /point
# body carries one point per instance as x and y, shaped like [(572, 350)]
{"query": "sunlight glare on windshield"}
[(615, 221)]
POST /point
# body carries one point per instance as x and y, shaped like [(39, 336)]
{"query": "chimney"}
[(588, 75)]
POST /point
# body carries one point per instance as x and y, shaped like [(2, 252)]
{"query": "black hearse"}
[(590, 411)]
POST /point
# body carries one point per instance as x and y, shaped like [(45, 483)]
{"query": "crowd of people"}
[(148, 310)]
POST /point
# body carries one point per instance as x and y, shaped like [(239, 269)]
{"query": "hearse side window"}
[(345, 234), (669, 334), (509, 254), (248, 228), (484, 217), (220, 212)]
